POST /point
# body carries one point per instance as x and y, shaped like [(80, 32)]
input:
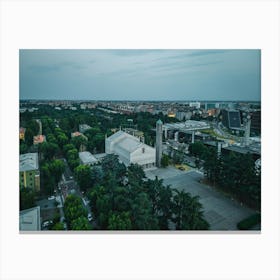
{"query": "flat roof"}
[(86, 157), (28, 162), (187, 125), (29, 219)]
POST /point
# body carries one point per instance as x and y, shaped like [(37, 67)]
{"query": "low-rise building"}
[(29, 175), (86, 158), (21, 133), (29, 219), (77, 134), (39, 139)]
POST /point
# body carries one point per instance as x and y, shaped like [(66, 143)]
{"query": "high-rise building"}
[(231, 119), (158, 142), (256, 121)]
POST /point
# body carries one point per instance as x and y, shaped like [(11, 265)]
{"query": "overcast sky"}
[(140, 74)]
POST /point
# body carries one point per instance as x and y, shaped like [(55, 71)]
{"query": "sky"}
[(145, 74)]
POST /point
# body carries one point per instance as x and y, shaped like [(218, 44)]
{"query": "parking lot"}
[(221, 212)]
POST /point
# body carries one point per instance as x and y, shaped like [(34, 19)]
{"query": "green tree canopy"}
[(27, 198)]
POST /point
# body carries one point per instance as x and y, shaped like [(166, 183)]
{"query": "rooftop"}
[(127, 142), (187, 125), (29, 219), (28, 162), (39, 139), (87, 158)]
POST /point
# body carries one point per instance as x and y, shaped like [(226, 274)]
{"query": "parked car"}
[(89, 217), (47, 223)]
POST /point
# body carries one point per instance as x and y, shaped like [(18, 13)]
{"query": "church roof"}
[(126, 141)]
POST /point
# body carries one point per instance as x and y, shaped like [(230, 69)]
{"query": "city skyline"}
[(140, 75)]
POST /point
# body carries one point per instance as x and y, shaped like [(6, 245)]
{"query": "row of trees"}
[(51, 172), (75, 213), (234, 173), (123, 198)]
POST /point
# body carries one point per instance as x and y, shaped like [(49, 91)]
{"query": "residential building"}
[(77, 133), (29, 219), (39, 139), (29, 175), (130, 150), (21, 133)]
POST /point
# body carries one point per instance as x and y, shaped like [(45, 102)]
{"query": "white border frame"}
[(156, 24)]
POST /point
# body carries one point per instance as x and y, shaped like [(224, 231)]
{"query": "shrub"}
[(249, 222)]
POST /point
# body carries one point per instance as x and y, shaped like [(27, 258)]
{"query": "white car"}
[(89, 216), (47, 223)]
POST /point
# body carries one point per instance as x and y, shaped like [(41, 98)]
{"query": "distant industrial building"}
[(29, 175), (29, 219), (195, 104), (130, 150), (231, 119), (86, 158), (181, 115), (186, 126)]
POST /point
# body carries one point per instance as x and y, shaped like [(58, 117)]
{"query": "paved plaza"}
[(221, 212)]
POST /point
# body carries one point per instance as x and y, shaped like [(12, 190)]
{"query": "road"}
[(68, 185)]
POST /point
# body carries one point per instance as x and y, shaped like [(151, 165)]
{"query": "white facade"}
[(130, 150)]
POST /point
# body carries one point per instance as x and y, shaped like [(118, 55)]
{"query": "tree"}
[(67, 148), (81, 223), (58, 226), (112, 168), (120, 221), (197, 149), (73, 209), (57, 168), (27, 198), (62, 139), (164, 160), (97, 175), (83, 176), (23, 148), (142, 216), (187, 211), (48, 149), (79, 141)]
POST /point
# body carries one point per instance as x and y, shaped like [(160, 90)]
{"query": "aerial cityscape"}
[(139, 140)]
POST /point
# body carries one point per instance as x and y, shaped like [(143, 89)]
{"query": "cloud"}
[(44, 68)]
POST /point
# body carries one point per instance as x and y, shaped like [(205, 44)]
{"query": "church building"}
[(130, 150)]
